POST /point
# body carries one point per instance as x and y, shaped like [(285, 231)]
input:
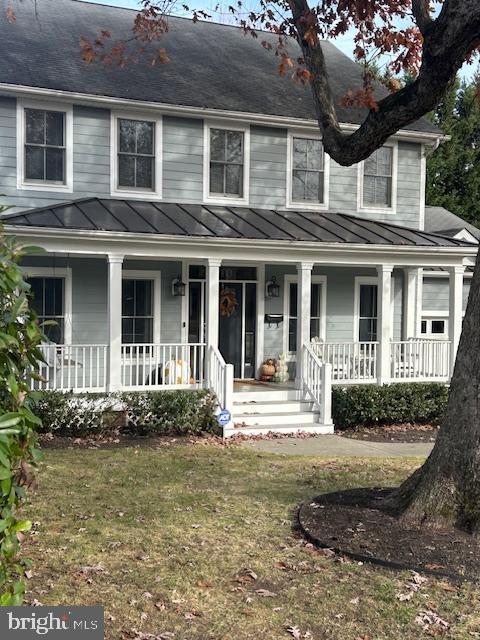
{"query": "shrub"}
[(19, 352), (366, 405), (66, 414), (178, 412)]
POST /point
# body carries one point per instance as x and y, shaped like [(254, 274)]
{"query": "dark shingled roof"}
[(212, 66), (443, 221), (209, 221)]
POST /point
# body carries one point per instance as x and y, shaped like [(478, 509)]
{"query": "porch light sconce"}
[(178, 287), (272, 288)]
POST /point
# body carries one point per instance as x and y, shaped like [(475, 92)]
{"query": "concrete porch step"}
[(256, 419), (267, 395), (272, 406), (257, 430)]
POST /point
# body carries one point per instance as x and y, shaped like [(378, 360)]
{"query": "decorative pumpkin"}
[(267, 370), (228, 302)]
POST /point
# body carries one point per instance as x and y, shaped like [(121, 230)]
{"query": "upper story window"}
[(48, 301), (136, 156), (378, 179), (227, 164), (308, 171), (44, 147)]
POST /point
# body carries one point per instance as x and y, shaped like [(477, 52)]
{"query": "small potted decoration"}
[(267, 370)]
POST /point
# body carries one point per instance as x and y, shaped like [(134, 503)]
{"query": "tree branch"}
[(447, 42), (421, 13)]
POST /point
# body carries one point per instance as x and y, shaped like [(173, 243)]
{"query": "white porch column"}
[(419, 305), (455, 311), (410, 319), (260, 323), (384, 321), (304, 293), (212, 300), (114, 321)]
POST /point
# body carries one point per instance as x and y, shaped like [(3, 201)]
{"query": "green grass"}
[(174, 527)]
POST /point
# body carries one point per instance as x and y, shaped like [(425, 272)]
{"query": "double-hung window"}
[(48, 301), (44, 146), (136, 155), (378, 179), (308, 172), (137, 311), (227, 170)]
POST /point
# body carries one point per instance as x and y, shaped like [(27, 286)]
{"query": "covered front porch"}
[(144, 311)]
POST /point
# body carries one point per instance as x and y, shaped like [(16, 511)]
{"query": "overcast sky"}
[(345, 43)]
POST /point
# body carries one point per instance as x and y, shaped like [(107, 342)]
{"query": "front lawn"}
[(196, 540)]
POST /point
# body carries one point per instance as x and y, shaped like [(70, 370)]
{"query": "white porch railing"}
[(79, 367), (156, 366), (420, 360), (220, 378), (317, 383), (352, 362)]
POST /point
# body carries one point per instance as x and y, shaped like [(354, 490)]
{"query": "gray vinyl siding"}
[(91, 151), (182, 159), (268, 167), (91, 158), (89, 296), (436, 296), (182, 168)]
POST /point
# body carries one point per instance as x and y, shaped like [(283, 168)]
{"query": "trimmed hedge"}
[(177, 412), (368, 405), (170, 412)]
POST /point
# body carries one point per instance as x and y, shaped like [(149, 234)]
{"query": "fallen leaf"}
[(294, 632), (265, 593)]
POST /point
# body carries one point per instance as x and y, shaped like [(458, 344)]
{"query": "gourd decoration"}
[(281, 370), (267, 370)]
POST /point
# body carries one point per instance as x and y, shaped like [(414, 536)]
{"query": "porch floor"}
[(246, 386)]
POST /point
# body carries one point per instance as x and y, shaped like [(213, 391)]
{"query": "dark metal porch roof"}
[(210, 221)]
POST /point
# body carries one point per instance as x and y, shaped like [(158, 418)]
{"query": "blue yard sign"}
[(224, 417)]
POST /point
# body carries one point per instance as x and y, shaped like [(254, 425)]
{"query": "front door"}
[(237, 308)]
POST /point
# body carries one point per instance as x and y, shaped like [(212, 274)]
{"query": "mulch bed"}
[(394, 433), (351, 523)]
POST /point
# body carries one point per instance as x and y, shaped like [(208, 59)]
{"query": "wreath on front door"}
[(228, 302)]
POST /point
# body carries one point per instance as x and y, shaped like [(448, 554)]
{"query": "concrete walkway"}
[(337, 446)]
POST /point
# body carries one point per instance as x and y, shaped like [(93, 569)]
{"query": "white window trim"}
[(125, 192), (359, 280), (310, 206), (290, 278), (217, 199), (140, 274), (360, 179), (23, 184), (428, 316), (66, 274)]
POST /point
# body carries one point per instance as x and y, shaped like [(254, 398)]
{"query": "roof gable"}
[(212, 66)]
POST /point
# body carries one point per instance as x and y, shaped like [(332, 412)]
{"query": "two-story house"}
[(194, 227)]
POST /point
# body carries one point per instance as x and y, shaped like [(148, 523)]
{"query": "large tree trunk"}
[(446, 489)]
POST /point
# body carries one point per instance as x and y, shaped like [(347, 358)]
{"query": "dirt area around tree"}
[(393, 433), (352, 522)]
